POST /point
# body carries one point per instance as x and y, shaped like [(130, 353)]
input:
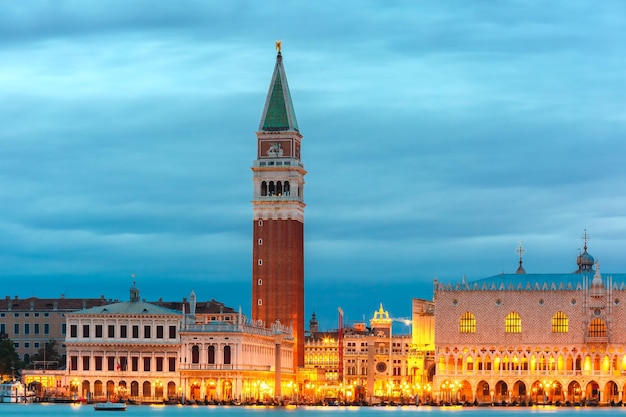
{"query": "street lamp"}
[(158, 389), (455, 389), (444, 391), (74, 387)]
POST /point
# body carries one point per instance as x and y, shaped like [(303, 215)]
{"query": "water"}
[(67, 410)]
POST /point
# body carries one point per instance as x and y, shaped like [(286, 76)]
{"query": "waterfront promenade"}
[(65, 410)]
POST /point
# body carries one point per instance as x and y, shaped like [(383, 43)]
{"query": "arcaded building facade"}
[(179, 351), (123, 350), (225, 356), (532, 337)]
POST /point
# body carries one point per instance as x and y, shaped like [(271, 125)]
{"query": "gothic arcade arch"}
[(611, 392), (518, 392), (483, 394), (592, 391), (574, 392), (466, 394)]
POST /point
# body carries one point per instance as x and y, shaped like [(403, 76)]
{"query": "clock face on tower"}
[(381, 366)]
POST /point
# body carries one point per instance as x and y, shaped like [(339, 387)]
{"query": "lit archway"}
[(501, 392), (483, 395), (97, 389), (592, 393), (611, 393), (518, 393), (574, 393)]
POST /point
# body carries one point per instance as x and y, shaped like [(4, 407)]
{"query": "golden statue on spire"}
[(279, 46)]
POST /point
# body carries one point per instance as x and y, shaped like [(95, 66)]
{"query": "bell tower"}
[(278, 214)]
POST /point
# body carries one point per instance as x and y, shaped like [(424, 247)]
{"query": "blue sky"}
[(437, 134)]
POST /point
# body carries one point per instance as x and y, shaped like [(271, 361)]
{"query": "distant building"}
[(422, 353), (278, 215), (127, 349), (226, 357), (178, 351), (361, 364), (541, 338), (32, 322)]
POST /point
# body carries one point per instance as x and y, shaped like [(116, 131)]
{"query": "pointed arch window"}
[(597, 328), (513, 323), (560, 323), (467, 324)]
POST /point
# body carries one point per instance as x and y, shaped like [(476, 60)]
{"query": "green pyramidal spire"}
[(278, 114)]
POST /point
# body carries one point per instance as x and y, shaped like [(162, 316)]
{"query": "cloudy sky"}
[(437, 134)]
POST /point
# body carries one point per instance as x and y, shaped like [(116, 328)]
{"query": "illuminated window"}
[(467, 323), (597, 328), (513, 323), (559, 323)]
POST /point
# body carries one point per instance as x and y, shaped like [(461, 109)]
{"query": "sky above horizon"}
[(437, 135)]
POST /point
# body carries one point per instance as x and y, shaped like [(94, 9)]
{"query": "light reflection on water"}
[(67, 410)]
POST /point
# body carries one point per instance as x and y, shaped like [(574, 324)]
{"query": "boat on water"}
[(109, 406), (15, 392)]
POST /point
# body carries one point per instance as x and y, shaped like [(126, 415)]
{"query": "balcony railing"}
[(596, 339), (223, 367), (526, 372), (234, 327)]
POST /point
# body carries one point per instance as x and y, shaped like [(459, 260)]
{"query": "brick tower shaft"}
[(278, 215)]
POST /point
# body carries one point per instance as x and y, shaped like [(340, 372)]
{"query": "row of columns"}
[(118, 356)]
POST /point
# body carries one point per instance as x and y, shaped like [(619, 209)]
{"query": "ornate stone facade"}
[(171, 351), (124, 350), (226, 357), (532, 337), (364, 364)]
